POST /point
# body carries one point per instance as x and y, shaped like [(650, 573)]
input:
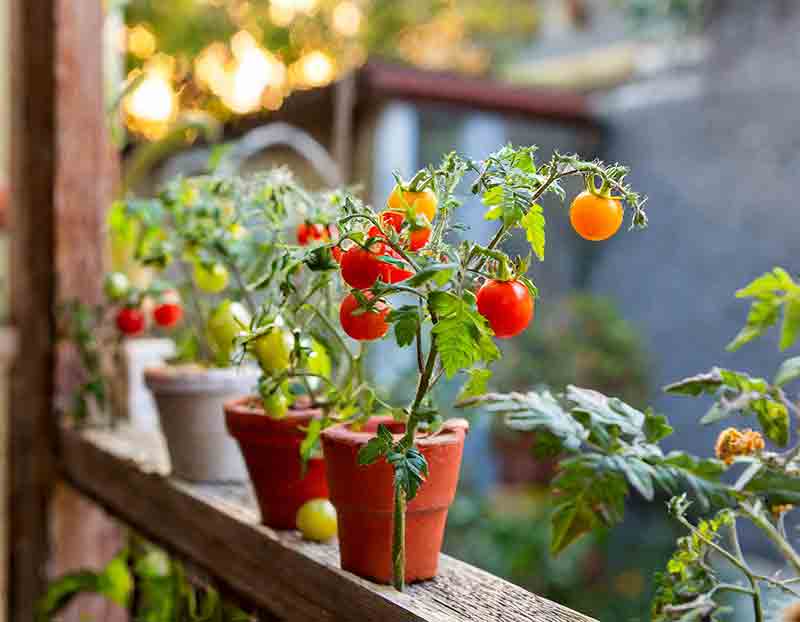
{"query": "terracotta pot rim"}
[(192, 378), (243, 407), (453, 430)]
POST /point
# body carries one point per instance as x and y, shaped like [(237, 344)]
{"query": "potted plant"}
[(307, 373), (393, 478), (608, 450), (213, 240)]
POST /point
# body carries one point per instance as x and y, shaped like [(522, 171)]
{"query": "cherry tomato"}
[(360, 267), (167, 314), (364, 326), (507, 305), (116, 286), (316, 520), (211, 280), (417, 236), (595, 217), (225, 323), (337, 253), (276, 404), (309, 232), (273, 350), (423, 203), (390, 273), (130, 321)]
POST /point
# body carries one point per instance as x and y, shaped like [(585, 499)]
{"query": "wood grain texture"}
[(82, 535), (216, 527), (32, 234)]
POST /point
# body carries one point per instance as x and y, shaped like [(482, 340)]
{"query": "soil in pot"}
[(271, 450), (190, 401), (364, 498)]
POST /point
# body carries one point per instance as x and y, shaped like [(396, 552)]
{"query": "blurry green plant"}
[(146, 582), (581, 340), (606, 449)]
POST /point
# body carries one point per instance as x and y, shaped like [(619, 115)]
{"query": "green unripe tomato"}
[(117, 286), (316, 520), (318, 361), (273, 350), (211, 280), (276, 405), (224, 325)]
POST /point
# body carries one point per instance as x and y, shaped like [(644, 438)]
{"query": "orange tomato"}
[(423, 203), (595, 217)]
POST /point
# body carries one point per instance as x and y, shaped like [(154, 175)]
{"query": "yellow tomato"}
[(423, 203)]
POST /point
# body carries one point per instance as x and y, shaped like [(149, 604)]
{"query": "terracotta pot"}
[(364, 498), (271, 450), (190, 403)]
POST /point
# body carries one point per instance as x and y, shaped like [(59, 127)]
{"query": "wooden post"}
[(32, 424), (82, 535)]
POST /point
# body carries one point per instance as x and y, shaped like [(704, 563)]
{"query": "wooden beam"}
[(216, 527), (32, 425), (82, 535)]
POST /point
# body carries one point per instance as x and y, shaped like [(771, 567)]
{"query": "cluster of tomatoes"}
[(131, 318), (507, 304)]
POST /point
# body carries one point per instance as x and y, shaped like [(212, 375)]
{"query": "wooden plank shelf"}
[(216, 528)]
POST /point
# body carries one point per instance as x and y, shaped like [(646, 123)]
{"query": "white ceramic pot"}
[(140, 354), (189, 399)]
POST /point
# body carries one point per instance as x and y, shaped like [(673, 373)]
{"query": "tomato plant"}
[(608, 450), (464, 294), (311, 232)]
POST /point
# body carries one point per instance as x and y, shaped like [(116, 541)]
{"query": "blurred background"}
[(698, 97)]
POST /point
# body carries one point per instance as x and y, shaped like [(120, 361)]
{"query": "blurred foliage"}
[(146, 582), (582, 340), (509, 534)]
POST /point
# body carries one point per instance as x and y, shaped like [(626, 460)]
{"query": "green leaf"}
[(440, 273), (311, 441), (379, 445), (539, 412), (774, 419), (116, 582), (534, 225), (768, 283), (763, 314), (410, 470), (476, 384), (606, 411), (788, 372), (697, 385), (777, 487), (791, 323), (656, 427), (406, 322), (463, 336)]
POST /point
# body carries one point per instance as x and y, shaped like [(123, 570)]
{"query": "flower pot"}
[(141, 353), (271, 450), (190, 403), (364, 499)]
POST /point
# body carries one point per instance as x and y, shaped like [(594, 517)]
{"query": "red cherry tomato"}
[(393, 274), (310, 232), (417, 236), (337, 253), (360, 267), (507, 305), (130, 321), (364, 326), (167, 314)]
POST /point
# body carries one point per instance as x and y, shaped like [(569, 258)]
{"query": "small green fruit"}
[(316, 520)]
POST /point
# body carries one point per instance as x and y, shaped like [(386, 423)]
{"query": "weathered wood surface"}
[(82, 536), (32, 233), (216, 527)]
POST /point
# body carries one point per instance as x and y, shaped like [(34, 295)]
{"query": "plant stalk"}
[(399, 539)]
